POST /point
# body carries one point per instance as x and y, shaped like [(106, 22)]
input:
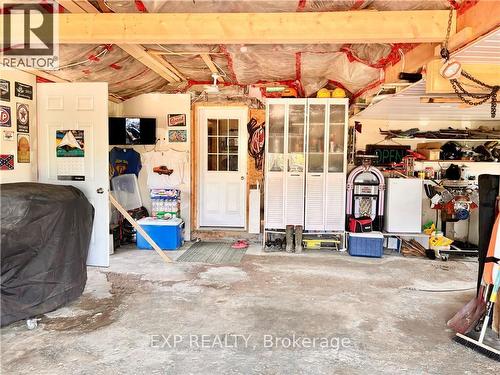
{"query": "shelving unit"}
[(306, 165), (446, 139)]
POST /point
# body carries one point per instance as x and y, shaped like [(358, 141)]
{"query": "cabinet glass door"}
[(316, 141), (336, 129), (276, 128), (296, 128)]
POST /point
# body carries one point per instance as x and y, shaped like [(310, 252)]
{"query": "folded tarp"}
[(45, 237)]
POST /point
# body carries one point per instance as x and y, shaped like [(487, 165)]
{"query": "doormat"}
[(212, 253)]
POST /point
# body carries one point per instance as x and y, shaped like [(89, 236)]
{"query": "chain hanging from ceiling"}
[(458, 86)]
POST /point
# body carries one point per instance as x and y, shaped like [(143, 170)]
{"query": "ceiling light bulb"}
[(451, 69)]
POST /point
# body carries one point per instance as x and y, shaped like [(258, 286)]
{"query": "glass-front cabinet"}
[(305, 163)]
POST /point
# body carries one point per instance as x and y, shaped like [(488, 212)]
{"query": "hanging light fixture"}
[(452, 71)]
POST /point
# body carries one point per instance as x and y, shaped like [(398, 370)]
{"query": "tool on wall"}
[(256, 139)]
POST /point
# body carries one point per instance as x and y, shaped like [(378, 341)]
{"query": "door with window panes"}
[(222, 165)]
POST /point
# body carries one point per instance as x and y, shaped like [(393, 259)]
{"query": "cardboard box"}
[(429, 145), (430, 153)]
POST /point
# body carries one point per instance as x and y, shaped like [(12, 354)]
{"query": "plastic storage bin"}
[(166, 233), (126, 191), (366, 244)]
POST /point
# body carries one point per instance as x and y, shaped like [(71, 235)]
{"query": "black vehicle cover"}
[(45, 237)]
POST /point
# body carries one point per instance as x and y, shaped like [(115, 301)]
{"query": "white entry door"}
[(73, 149), (222, 166)]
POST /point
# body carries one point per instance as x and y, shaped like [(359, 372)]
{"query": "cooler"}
[(366, 244), (166, 233)]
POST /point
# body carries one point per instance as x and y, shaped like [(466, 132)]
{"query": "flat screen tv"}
[(132, 131)]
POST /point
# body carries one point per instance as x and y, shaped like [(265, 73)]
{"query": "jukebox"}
[(365, 194)]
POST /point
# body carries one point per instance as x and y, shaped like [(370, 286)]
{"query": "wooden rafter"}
[(181, 53), (264, 28), (53, 78), (70, 6), (152, 62), (479, 20), (208, 61), (158, 65)]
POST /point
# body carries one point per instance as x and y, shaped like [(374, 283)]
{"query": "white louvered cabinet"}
[(274, 188), (305, 164), (336, 164)]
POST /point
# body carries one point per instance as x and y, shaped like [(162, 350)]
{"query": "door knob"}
[(100, 190), (242, 178)]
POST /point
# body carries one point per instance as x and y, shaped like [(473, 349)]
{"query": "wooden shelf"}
[(457, 161), (446, 139)]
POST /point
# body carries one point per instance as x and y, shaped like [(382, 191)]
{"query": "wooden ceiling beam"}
[(53, 78), (86, 6), (152, 62), (157, 64), (208, 61), (475, 22), (420, 26), (70, 6), (436, 84)]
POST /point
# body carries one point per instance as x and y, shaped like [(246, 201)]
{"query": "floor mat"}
[(212, 253)]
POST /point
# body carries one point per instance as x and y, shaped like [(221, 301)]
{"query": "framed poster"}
[(4, 90), (5, 116), (23, 117), (177, 135), (22, 90), (176, 119), (23, 148), (8, 135)]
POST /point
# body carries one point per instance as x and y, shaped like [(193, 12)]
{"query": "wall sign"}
[(177, 136), (8, 135), (176, 120), (4, 90), (5, 116), (6, 162), (23, 118), (23, 148), (23, 90), (387, 154)]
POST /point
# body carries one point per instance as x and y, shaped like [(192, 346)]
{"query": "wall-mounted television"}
[(132, 131)]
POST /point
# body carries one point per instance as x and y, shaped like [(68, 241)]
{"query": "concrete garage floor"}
[(362, 312)]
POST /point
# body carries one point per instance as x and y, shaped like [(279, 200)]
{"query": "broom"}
[(479, 345)]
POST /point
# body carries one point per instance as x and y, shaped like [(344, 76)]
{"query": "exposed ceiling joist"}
[(53, 78), (70, 6), (157, 64), (456, 41), (172, 69), (208, 61), (422, 26), (152, 62), (86, 6), (45, 75), (181, 53), (481, 18), (436, 84)]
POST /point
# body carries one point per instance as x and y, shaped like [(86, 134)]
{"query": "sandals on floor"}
[(240, 244)]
